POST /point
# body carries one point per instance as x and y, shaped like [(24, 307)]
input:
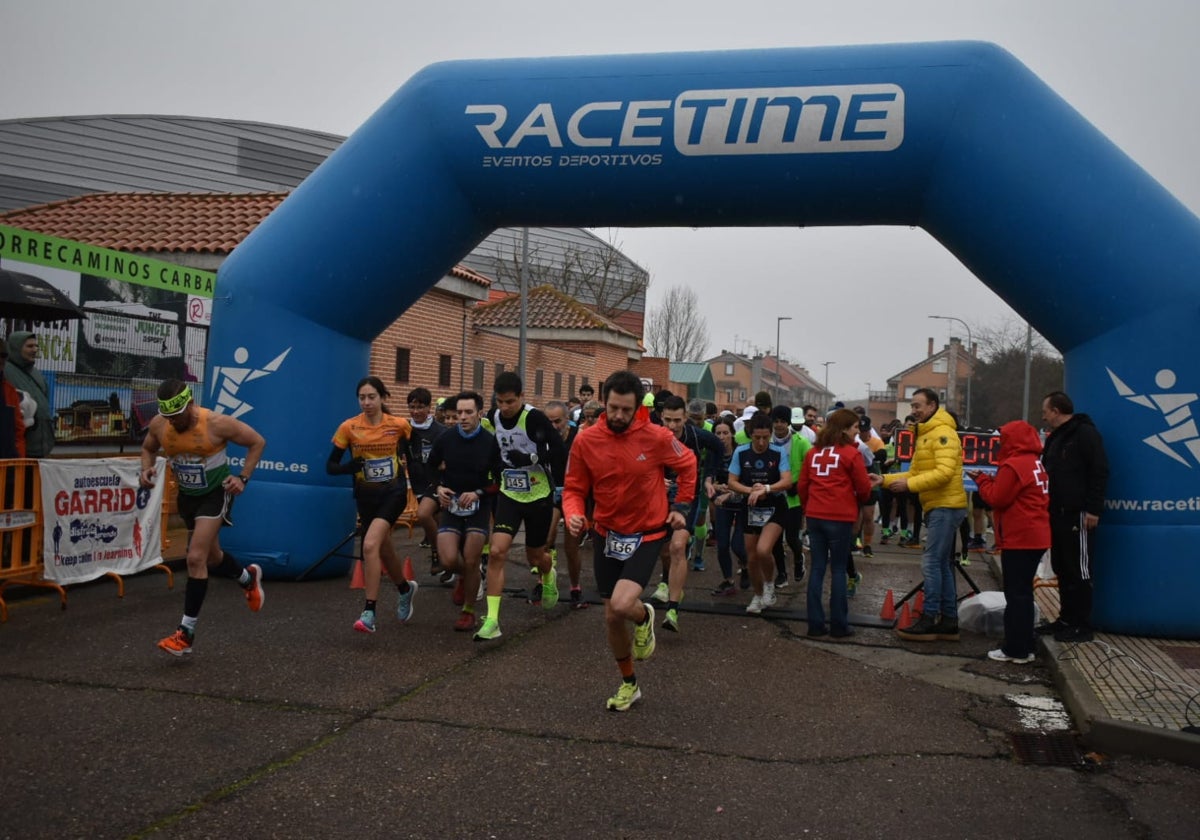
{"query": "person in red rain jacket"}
[(833, 484), (620, 462), (1019, 494)]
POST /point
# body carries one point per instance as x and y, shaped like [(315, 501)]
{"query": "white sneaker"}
[(1000, 656), (755, 606), (768, 596), (662, 593)]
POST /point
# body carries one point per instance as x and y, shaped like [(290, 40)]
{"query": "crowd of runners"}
[(649, 479)]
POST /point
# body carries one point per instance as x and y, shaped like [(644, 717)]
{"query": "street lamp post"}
[(970, 358), (778, 321), (827, 364)]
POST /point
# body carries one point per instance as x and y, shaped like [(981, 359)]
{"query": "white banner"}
[(96, 519)]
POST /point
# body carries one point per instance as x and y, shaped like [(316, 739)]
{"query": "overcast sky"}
[(1129, 67)]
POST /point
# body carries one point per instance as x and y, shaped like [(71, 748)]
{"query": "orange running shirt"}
[(378, 446)]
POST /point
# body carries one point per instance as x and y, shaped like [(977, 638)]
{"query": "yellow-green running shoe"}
[(550, 588), (626, 696), (671, 622), (643, 636), (662, 593), (490, 630)]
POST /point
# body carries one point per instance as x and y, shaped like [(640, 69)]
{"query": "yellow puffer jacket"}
[(936, 470)]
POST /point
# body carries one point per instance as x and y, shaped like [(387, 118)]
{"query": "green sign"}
[(28, 246)]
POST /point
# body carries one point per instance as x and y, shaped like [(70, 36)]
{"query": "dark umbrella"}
[(29, 298)]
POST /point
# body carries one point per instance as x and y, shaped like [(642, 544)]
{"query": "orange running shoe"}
[(255, 597), (178, 643), (466, 621)]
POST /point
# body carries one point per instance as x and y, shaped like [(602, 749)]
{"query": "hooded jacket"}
[(12, 424), (935, 473), (39, 439), (624, 473), (1077, 463), (1019, 492)]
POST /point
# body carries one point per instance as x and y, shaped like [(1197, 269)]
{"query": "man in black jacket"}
[(1077, 465)]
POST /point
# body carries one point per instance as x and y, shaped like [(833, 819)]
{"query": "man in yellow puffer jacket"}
[(935, 474)]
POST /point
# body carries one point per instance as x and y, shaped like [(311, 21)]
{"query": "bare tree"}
[(601, 278), (999, 380), (677, 330)]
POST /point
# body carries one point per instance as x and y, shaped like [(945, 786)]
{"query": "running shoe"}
[(425, 544), (698, 566), (366, 622), (858, 544), (726, 587), (466, 621), (255, 597), (490, 630), (768, 596), (799, 570), (643, 636), (867, 551), (626, 696), (447, 577), (852, 582), (178, 643), (755, 606), (804, 540), (743, 579), (459, 596), (976, 544), (965, 560), (404, 607), (535, 595), (662, 593), (885, 535), (671, 622), (1000, 656), (550, 588), (577, 602), (909, 542), (781, 580)]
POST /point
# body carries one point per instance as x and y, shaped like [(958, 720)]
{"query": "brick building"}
[(947, 372)]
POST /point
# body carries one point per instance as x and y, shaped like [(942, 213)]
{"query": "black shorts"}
[(387, 505), (424, 491), (639, 568), (215, 504), (872, 500), (536, 515), (475, 523), (778, 515), (978, 503)]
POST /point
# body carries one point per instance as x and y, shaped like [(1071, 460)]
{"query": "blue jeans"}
[(728, 526), (941, 527), (829, 542)]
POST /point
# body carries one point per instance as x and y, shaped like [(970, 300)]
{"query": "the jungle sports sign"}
[(957, 138)]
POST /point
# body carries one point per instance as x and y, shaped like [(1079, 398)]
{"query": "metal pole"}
[(827, 364), (778, 321), (524, 302), (970, 357), (1028, 365)]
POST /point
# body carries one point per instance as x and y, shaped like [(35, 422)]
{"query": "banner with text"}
[(97, 519)]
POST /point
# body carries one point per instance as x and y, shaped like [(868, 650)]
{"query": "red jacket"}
[(1019, 492), (11, 403), (833, 483), (624, 474)]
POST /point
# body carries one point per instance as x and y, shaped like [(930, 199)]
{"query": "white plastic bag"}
[(984, 613)]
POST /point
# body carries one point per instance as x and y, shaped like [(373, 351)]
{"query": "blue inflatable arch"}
[(958, 138)]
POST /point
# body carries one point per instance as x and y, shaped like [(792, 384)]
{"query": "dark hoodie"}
[(1078, 467), (1019, 491), (39, 438)]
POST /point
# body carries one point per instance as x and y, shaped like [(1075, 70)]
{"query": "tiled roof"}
[(549, 309), (196, 223)]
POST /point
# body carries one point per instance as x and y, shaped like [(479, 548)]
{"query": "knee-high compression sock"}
[(193, 599), (231, 568)]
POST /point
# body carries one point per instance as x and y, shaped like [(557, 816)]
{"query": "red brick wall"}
[(433, 326)]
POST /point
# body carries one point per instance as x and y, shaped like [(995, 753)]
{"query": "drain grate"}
[(1052, 749)]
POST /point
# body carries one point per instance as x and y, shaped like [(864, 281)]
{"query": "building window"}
[(538, 376), (444, 365), (941, 365), (729, 395), (557, 384), (402, 363), (729, 368), (499, 369), (571, 386), (742, 395), (477, 375), (909, 392)]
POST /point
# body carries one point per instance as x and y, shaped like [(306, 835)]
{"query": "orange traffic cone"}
[(408, 569), (919, 604), (905, 617), (888, 613), (356, 582)]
